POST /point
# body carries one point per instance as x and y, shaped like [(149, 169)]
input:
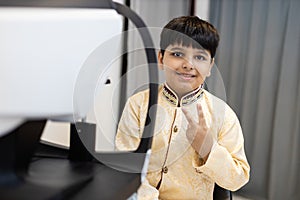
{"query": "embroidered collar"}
[(185, 100)]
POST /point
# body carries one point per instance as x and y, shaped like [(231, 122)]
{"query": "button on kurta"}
[(175, 129), (165, 169)]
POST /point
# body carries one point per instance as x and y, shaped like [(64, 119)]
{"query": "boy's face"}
[(185, 68)]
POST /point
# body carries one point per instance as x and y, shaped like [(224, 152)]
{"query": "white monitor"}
[(41, 53)]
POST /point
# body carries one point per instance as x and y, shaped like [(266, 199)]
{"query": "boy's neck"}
[(185, 97), (180, 95)]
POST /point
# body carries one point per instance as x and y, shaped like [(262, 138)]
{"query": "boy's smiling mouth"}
[(186, 75)]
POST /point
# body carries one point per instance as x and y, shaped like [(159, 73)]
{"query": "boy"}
[(197, 140)]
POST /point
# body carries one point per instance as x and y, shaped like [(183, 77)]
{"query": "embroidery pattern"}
[(187, 99)]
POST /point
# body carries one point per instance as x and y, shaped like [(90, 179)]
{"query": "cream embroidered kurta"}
[(175, 168)]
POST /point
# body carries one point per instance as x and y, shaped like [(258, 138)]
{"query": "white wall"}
[(41, 55)]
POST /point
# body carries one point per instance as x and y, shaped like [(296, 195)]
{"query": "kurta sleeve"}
[(227, 163), (128, 132), (128, 136)]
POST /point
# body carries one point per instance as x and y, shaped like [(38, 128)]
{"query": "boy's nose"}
[(188, 64)]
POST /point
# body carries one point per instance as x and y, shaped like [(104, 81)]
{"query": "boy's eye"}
[(177, 54), (200, 58)]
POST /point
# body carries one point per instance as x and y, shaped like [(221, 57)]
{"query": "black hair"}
[(190, 30)]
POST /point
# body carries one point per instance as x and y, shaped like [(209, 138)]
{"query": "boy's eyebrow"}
[(176, 49), (182, 49), (202, 51)]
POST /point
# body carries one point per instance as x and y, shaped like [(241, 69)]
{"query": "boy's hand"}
[(197, 132)]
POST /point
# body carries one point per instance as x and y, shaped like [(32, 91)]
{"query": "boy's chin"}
[(187, 90)]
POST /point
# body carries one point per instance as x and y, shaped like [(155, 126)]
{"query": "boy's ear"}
[(160, 60), (210, 66)]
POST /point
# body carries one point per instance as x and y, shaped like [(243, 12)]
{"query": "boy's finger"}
[(200, 112)]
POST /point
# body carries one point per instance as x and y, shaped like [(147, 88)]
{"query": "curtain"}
[(258, 59)]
